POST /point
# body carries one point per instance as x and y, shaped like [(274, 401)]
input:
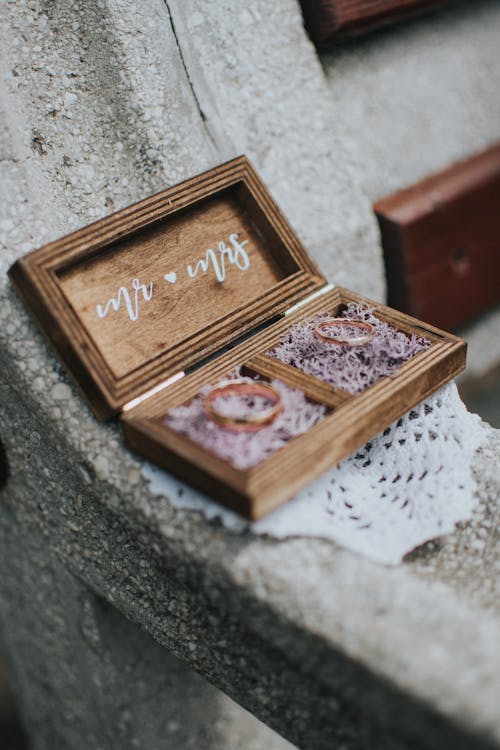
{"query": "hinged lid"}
[(153, 289)]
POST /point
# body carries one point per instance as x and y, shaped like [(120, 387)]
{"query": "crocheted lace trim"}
[(409, 485)]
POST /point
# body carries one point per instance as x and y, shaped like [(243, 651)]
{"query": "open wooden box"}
[(143, 314)]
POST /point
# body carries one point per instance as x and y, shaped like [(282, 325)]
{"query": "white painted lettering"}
[(235, 255), (130, 300)]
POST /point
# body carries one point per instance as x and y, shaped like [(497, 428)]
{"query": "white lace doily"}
[(409, 485)]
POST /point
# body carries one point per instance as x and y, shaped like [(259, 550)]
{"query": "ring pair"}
[(259, 419)]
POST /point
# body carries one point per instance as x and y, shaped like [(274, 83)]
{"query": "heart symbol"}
[(171, 277)]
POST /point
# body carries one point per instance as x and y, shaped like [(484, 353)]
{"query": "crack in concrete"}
[(203, 116)]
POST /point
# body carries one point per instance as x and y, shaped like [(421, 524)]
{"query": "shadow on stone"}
[(12, 736), (4, 466)]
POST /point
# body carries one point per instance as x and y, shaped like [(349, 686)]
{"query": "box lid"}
[(151, 290)]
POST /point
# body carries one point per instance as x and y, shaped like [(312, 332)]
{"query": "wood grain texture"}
[(205, 326), (158, 248), (183, 307), (327, 20), (263, 364), (441, 242), (353, 419)]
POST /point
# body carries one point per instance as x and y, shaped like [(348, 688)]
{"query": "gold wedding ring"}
[(366, 329), (252, 422)]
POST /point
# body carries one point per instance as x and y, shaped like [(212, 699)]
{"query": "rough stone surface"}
[(104, 103), (412, 100), (282, 628), (101, 681)]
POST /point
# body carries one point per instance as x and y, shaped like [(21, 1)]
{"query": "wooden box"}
[(149, 304)]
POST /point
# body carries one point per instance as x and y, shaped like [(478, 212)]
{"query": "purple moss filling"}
[(352, 368), (244, 449)]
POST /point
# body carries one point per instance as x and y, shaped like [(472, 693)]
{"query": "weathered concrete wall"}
[(106, 101), (85, 676), (411, 100), (112, 101), (281, 627)]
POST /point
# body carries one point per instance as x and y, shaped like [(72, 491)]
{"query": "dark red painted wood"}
[(441, 241), (326, 20)]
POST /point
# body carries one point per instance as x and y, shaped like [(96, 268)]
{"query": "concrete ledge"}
[(322, 645)]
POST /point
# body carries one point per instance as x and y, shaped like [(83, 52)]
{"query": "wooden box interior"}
[(352, 420)]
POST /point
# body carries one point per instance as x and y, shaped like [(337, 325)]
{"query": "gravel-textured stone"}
[(327, 648)]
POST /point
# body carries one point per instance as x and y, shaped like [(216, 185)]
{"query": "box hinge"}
[(314, 295)]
